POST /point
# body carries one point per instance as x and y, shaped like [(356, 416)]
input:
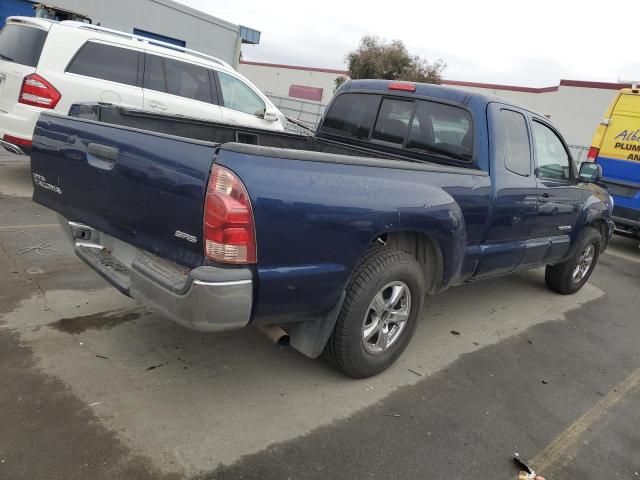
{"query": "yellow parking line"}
[(566, 445)]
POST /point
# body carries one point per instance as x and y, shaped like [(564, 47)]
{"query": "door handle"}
[(102, 156), (157, 105)]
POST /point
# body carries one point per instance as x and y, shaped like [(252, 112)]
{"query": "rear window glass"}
[(441, 128), (517, 148), (352, 114), (21, 44), (393, 120), (106, 62)]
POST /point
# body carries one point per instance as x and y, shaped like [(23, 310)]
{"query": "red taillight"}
[(38, 92), (229, 235), (592, 154), (404, 86), (22, 142)]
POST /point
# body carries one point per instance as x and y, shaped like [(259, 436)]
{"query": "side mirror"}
[(590, 172), (270, 116)]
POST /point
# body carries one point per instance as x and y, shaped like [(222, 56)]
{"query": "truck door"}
[(559, 197), (514, 199)]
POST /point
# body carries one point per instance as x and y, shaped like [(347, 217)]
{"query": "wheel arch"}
[(424, 248), (601, 226)]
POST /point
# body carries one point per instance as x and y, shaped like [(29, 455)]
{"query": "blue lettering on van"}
[(629, 136)]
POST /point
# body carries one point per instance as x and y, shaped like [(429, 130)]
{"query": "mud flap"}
[(310, 337)]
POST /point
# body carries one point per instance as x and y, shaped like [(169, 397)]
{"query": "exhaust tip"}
[(276, 334), (284, 341)]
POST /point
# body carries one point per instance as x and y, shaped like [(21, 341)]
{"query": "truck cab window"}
[(393, 120), (442, 128), (237, 96), (352, 115), (517, 150), (553, 160)]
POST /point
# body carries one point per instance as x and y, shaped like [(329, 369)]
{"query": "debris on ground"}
[(101, 356), (528, 473), (392, 414), (41, 248), (153, 367), (414, 372), (455, 332)]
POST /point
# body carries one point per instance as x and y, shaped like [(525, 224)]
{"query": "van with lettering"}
[(616, 148)]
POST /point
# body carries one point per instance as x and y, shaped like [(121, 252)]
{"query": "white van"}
[(50, 65)]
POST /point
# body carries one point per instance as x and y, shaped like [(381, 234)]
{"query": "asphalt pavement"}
[(96, 387)]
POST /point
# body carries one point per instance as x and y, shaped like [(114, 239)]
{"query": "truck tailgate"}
[(144, 188)]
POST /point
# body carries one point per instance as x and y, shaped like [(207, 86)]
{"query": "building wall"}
[(9, 8), (277, 79), (200, 31), (575, 110)]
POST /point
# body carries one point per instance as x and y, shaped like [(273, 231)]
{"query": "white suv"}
[(50, 65)]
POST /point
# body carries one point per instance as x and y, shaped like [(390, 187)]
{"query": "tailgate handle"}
[(102, 156)]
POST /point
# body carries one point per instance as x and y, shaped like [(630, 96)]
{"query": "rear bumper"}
[(19, 122), (206, 298)]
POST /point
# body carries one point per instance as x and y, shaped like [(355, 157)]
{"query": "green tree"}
[(339, 81), (377, 58)]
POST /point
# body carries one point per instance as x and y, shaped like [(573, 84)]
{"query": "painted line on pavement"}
[(564, 448)]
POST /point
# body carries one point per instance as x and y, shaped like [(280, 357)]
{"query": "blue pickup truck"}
[(329, 241)]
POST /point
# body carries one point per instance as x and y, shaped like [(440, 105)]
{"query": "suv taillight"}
[(229, 235), (592, 154), (38, 92)]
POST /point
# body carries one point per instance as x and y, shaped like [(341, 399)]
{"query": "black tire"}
[(380, 266), (560, 277)]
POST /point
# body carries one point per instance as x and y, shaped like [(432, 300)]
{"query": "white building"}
[(304, 83), (576, 107)]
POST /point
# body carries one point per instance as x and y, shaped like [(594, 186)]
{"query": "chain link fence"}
[(579, 153), (303, 111)]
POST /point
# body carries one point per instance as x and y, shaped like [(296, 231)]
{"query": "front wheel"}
[(568, 277), (379, 313)]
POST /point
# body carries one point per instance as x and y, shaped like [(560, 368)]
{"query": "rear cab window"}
[(416, 126), (107, 62), (22, 44), (352, 115)]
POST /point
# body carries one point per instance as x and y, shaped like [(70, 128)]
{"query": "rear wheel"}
[(379, 313), (569, 277)]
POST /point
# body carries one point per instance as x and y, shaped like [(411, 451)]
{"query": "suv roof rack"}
[(140, 38)]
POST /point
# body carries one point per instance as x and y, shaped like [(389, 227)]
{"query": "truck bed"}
[(219, 133)]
